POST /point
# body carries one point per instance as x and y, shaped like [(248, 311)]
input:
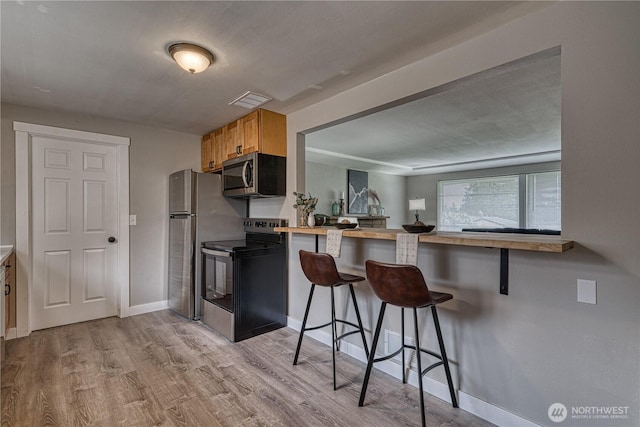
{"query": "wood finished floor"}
[(159, 369)]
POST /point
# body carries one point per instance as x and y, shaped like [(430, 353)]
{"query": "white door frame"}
[(24, 133)]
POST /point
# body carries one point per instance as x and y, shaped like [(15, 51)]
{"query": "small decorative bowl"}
[(411, 228), (319, 218), (341, 226)]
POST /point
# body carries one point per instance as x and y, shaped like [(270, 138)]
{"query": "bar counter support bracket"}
[(504, 271)]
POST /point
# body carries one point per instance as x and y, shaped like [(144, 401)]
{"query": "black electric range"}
[(244, 281)]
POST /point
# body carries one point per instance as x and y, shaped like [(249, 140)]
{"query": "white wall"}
[(538, 345), (154, 154)]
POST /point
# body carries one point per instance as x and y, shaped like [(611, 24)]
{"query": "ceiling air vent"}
[(250, 100)]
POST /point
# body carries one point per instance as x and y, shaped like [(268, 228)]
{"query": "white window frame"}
[(522, 193)]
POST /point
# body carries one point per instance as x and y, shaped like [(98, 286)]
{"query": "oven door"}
[(217, 278), (217, 292)]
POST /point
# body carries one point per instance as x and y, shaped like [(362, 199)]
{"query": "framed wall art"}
[(358, 184)]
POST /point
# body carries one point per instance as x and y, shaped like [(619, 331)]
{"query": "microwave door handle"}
[(244, 174)]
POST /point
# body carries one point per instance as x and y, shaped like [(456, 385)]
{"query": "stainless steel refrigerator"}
[(197, 213)]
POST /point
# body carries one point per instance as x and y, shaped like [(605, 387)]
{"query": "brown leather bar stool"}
[(321, 270), (404, 286)]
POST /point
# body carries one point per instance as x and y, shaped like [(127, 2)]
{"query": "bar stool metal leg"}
[(372, 354), (304, 324), (404, 376), (333, 336), (443, 353), (419, 357), (355, 307)]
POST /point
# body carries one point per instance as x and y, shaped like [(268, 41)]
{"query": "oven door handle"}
[(216, 253)]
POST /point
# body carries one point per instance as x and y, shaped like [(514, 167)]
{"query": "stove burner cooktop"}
[(237, 245), (259, 235)]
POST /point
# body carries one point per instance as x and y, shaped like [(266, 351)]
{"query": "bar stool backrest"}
[(320, 268), (398, 284)]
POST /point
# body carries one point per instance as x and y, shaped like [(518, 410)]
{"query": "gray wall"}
[(154, 154), (327, 181), (538, 345), (520, 352)]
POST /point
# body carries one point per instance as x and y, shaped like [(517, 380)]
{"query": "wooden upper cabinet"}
[(262, 130), (218, 149), (250, 125), (232, 140), (206, 153)]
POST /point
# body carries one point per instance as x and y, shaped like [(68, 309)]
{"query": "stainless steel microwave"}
[(254, 175)]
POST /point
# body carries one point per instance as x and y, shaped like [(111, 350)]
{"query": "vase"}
[(311, 220), (302, 216), (335, 208)]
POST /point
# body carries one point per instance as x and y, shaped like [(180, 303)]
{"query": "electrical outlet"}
[(587, 291), (133, 220)]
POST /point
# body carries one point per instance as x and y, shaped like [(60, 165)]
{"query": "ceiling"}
[(109, 58), (501, 117)]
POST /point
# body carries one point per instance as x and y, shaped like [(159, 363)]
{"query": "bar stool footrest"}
[(411, 347), (347, 334), (313, 328), (424, 350), (430, 367), (388, 356)]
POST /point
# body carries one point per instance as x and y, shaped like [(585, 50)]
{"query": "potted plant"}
[(305, 206)]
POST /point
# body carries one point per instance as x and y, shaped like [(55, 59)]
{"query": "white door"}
[(74, 217)]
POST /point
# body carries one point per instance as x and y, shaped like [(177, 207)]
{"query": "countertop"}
[(5, 252), (526, 242)]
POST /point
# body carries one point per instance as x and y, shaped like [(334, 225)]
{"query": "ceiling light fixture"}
[(250, 100), (191, 57)]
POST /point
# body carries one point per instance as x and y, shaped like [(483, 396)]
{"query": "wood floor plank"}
[(160, 369)]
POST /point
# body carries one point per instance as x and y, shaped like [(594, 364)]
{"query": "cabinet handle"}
[(7, 289), (210, 164), (239, 149)]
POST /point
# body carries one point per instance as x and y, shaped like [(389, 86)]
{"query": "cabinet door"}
[(233, 140), (218, 149), (10, 293), (273, 133), (250, 132), (205, 153)]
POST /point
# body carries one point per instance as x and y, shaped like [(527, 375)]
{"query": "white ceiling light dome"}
[(191, 57)]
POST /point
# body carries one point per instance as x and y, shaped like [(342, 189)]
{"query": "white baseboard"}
[(144, 308), (12, 333), (473, 405)]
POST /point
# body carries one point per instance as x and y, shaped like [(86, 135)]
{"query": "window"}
[(518, 201), (543, 200)]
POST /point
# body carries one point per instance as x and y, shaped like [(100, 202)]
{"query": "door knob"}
[(112, 239)]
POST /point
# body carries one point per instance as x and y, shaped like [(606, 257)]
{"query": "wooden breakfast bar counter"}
[(504, 242)]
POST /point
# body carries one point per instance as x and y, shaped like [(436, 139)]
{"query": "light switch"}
[(133, 220), (587, 291)]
